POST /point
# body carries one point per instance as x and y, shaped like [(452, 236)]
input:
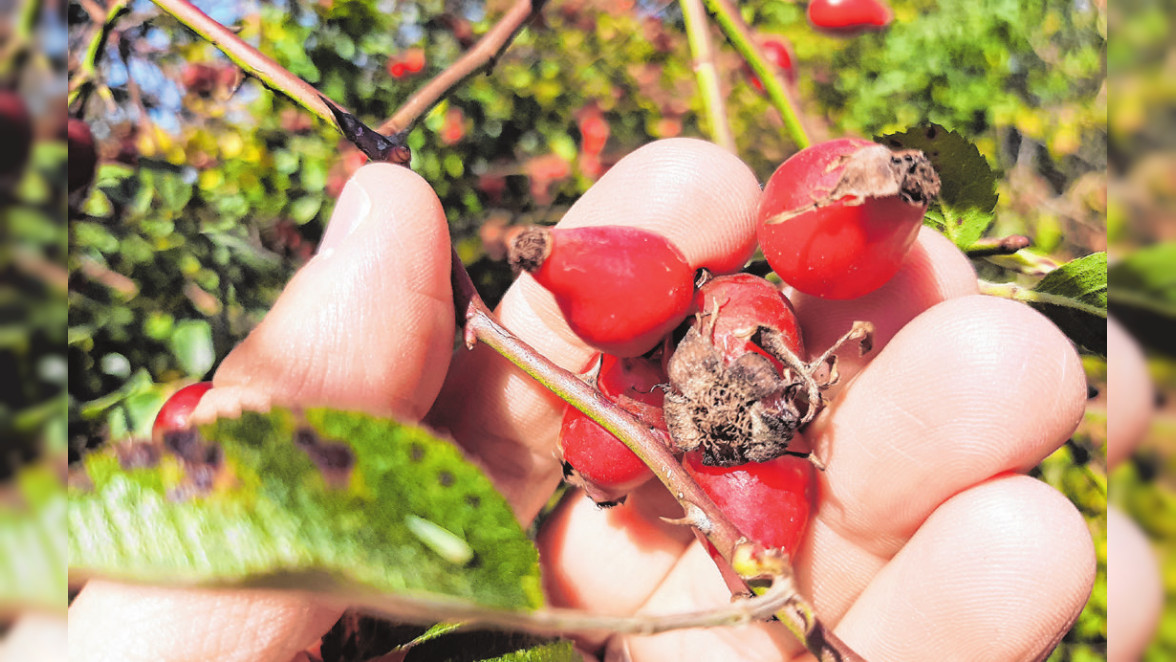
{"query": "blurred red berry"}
[(83, 155), (414, 60), (453, 128), (16, 133), (178, 409), (847, 18)]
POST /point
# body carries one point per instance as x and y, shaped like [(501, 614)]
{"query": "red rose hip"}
[(620, 288), (769, 502), (605, 467), (178, 409), (837, 219)]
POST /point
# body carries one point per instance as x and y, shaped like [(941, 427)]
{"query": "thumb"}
[(368, 323)]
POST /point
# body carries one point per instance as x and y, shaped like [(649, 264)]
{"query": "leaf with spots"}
[(967, 193), (321, 500)]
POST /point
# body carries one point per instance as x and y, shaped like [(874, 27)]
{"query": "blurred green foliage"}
[(213, 191)]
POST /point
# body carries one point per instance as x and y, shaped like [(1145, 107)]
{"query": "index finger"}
[(700, 197)]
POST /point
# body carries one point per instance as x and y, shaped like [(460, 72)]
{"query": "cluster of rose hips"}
[(716, 363)]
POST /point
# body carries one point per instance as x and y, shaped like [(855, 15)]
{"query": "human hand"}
[(925, 544)]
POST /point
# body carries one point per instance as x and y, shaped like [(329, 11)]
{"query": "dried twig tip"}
[(529, 249)]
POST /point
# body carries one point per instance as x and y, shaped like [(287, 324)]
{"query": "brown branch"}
[(252, 61), (482, 56), (271, 74), (750, 560)]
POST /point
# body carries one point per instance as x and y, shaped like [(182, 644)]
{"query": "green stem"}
[(252, 61), (1025, 295), (698, 34), (737, 32)]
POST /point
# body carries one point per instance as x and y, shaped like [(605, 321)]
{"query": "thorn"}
[(375, 145), (694, 517)]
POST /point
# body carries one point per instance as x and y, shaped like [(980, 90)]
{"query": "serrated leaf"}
[(967, 192), (312, 501), (560, 651), (1074, 296)]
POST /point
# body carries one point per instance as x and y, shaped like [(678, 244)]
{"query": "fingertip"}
[(368, 323), (1010, 555), (1130, 395), (1135, 589), (934, 271), (695, 193), (973, 387)]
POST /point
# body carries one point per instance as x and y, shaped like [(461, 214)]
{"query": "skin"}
[(927, 541), (1135, 593)]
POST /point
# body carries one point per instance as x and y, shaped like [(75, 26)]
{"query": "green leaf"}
[(967, 192), (305, 208), (33, 543), (320, 500), (1145, 279), (1074, 296), (560, 651), (191, 343)]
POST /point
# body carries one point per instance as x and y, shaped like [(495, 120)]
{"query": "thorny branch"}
[(482, 56), (751, 561), (252, 61)]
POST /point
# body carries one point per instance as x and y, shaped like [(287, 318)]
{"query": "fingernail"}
[(353, 208)]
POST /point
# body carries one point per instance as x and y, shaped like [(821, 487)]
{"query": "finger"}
[(35, 636), (998, 572), (609, 560), (368, 323), (1130, 396), (1011, 556), (694, 583), (700, 197), (1135, 589), (973, 387), (934, 271), (113, 622)]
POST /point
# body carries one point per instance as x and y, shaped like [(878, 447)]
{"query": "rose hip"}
[(837, 219), (621, 289)]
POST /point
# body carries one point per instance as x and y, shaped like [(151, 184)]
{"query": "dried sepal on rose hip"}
[(621, 289), (594, 459), (837, 219), (739, 388), (729, 398)]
